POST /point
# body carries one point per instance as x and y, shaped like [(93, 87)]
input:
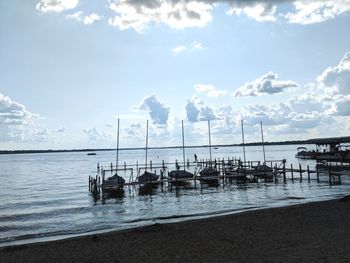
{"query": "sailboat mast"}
[(209, 139), (183, 144), (146, 145), (117, 158), (243, 142), (262, 139)]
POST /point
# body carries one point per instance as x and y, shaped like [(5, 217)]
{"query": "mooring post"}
[(292, 171), (111, 167), (301, 173), (308, 173), (124, 166), (284, 172), (150, 165), (317, 174), (89, 183), (98, 167)]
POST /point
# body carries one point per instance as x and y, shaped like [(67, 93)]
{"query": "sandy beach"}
[(314, 232)]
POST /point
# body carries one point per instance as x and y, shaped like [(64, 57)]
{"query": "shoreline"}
[(307, 232)]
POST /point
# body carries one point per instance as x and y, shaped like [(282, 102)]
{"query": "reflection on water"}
[(46, 195)]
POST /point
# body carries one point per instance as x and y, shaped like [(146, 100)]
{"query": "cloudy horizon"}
[(70, 68)]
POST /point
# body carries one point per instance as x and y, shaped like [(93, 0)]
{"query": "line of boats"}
[(207, 172)]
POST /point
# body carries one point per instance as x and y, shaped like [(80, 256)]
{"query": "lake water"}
[(46, 196)]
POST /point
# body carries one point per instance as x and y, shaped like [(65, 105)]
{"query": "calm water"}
[(45, 196)]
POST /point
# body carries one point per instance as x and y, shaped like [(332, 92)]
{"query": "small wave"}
[(292, 198), (198, 215)]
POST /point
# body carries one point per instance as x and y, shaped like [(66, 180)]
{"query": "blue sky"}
[(70, 68)]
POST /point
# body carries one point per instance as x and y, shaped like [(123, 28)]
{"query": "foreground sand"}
[(315, 232)]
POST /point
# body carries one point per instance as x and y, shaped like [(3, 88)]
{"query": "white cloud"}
[(56, 5), (266, 84), (180, 14), (311, 12), (90, 19), (192, 47), (13, 113), (337, 77), (176, 14), (209, 90), (86, 20), (94, 134), (196, 111), (60, 130), (179, 49), (260, 12), (158, 111)]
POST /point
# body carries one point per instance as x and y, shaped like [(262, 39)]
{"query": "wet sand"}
[(314, 232)]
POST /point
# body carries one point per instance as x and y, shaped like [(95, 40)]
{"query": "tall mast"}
[(209, 139), (146, 146), (117, 158), (262, 139), (243, 142), (183, 144)]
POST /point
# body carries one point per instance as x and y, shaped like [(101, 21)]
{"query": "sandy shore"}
[(315, 232)]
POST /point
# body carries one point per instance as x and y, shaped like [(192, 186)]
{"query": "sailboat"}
[(262, 170), (181, 174), (114, 182), (147, 177), (209, 174)]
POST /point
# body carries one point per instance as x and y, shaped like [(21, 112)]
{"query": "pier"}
[(229, 170)]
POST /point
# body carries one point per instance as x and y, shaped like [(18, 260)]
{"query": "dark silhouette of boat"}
[(147, 178), (91, 154), (114, 182)]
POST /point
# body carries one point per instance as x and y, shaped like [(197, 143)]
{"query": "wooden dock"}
[(229, 170)]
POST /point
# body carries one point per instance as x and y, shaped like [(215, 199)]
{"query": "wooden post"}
[(318, 174), (111, 167), (163, 165), (124, 166), (301, 173), (308, 173), (284, 172), (150, 165), (89, 183), (291, 170), (330, 175)]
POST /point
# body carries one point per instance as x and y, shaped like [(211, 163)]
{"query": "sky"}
[(70, 68)]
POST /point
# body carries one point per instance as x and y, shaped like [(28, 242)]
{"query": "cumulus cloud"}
[(311, 12), (93, 134), (139, 15), (179, 49), (17, 123), (56, 5), (196, 111), (87, 19), (176, 14), (158, 111), (13, 113), (60, 130), (266, 84), (192, 47), (209, 90), (338, 76), (260, 12)]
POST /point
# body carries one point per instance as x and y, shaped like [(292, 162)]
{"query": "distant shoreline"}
[(150, 148), (345, 139)]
